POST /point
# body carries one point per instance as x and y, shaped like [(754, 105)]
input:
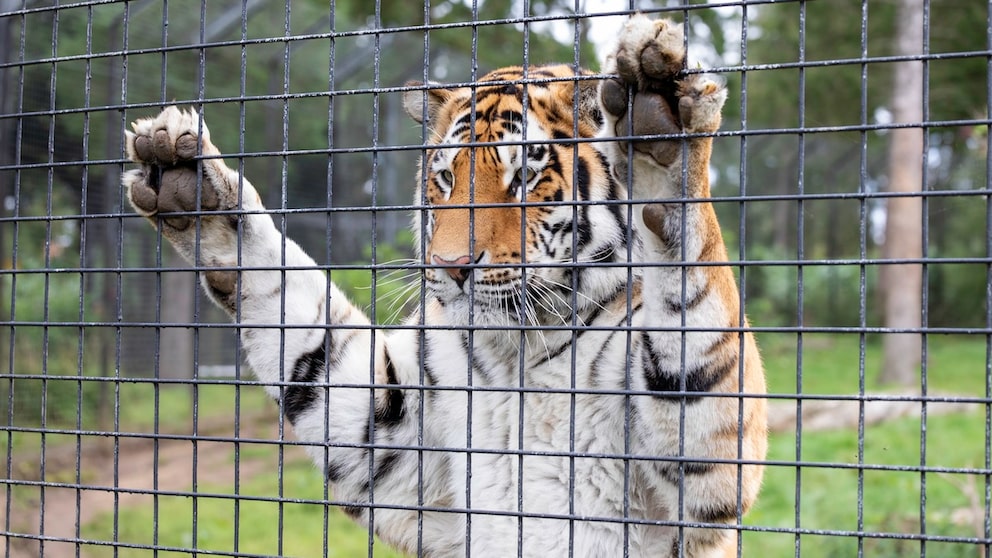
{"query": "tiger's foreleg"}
[(694, 356), (300, 334)]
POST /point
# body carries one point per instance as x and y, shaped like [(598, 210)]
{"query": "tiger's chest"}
[(539, 435)]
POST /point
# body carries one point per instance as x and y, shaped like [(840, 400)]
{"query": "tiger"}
[(579, 378)]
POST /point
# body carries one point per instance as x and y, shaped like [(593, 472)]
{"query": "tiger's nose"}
[(457, 268)]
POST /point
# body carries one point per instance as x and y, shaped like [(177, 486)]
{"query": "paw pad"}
[(650, 58), (170, 182)]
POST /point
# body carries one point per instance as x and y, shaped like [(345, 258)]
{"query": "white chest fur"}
[(536, 448)]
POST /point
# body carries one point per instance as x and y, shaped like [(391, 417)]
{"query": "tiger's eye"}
[(526, 174), (446, 176)]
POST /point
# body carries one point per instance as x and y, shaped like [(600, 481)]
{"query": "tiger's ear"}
[(433, 94), (588, 101)]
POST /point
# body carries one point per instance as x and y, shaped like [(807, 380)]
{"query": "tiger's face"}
[(499, 181)]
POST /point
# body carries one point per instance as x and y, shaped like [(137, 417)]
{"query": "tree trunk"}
[(176, 343), (902, 284), (8, 105)]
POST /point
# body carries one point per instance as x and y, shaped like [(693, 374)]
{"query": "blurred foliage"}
[(303, 96), (816, 69), (832, 88)]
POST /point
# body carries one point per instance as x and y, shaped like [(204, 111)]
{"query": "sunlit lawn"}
[(140, 406), (251, 523), (891, 501), (827, 497)]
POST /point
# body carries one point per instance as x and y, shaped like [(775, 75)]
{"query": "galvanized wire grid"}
[(83, 465)]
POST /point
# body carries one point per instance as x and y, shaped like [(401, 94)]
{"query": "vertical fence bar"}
[(285, 374), (800, 248), (862, 274), (80, 354), (329, 203), (924, 271), (118, 264), (987, 496), (420, 222), (15, 98), (159, 241), (471, 337), (49, 180), (373, 285), (628, 405)]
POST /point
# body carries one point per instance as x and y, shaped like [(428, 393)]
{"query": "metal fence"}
[(131, 427)]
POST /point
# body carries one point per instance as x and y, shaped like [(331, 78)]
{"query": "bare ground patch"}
[(120, 476)]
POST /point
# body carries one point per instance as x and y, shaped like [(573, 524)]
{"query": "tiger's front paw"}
[(182, 182), (649, 63), (168, 184)]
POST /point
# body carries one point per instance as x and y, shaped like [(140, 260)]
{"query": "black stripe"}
[(386, 464), (511, 116), (488, 113), (335, 471), (676, 305), (669, 382), (298, 398), (429, 375), (582, 179), (583, 228), (597, 309), (618, 290), (583, 231), (669, 470), (536, 152), (392, 411), (549, 356), (354, 512), (508, 90), (594, 367), (713, 511), (553, 164), (548, 240), (616, 210), (603, 254), (597, 117)]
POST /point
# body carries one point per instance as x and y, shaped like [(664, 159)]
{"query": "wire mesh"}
[(132, 425)]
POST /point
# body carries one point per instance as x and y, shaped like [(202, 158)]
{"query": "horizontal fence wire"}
[(139, 420)]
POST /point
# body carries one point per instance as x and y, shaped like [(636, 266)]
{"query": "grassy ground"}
[(138, 407), (248, 526), (830, 495), (891, 501)]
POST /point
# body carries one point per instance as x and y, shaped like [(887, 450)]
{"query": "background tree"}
[(842, 90), (902, 285)]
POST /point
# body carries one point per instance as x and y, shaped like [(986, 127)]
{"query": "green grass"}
[(137, 407), (257, 527), (831, 363), (828, 497)]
